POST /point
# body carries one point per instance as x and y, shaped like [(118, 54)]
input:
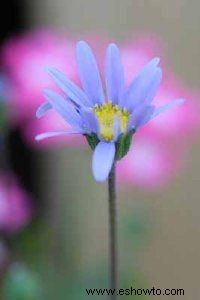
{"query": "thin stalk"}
[(113, 218)]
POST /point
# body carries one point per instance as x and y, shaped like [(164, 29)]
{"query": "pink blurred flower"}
[(182, 121), (25, 58), (150, 162), (15, 205), (136, 53), (158, 151)]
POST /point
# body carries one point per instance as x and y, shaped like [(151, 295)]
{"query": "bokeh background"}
[(53, 216)]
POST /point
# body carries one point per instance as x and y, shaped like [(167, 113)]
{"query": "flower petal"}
[(140, 116), (156, 80), (116, 129), (63, 108), (114, 74), (89, 73), (145, 117), (49, 134), (90, 121), (42, 109), (143, 86), (167, 106), (69, 88), (102, 161)]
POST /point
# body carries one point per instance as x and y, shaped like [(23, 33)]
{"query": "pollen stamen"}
[(106, 115)]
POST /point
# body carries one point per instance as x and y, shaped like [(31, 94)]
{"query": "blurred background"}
[(53, 216)]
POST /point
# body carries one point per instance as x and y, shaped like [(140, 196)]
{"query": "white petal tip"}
[(100, 179), (113, 46), (41, 136), (81, 44), (37, 138), (38, 114), (178, 102), (155, 61), (181, 101)]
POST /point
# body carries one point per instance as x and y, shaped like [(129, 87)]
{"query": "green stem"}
[(113, 231)]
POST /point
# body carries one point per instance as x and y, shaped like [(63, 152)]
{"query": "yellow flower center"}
[(106, 115)]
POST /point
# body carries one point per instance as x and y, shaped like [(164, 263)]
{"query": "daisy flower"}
[(108, 122)]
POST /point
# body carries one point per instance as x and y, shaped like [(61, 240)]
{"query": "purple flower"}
[(107, 122)]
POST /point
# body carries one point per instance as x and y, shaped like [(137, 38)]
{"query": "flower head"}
[(107, 122)]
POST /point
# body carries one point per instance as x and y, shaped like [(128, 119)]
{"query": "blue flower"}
[(107, 122)]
